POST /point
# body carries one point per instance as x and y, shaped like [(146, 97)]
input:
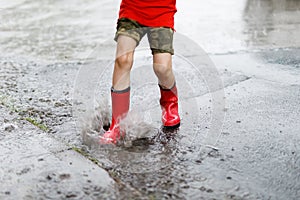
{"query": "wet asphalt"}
[(237, 66)]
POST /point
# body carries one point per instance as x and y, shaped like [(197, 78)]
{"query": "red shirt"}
[(153, 13)]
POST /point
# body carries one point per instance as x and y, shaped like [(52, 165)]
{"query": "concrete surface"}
[(251, 47), (35, 165)]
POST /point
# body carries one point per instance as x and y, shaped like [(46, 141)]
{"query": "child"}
[(137, 18)]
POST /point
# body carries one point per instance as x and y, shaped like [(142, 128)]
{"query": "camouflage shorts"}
[(160, 38)]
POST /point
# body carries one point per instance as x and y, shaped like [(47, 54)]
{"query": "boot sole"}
[(172, 127)]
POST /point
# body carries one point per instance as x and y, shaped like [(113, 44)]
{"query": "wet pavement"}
[(35, 165), (237, 65)]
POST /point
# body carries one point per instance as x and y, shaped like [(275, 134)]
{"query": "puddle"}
[(55, 72)]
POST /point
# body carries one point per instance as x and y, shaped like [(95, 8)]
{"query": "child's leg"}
[(161, 43), (162, 65), (120, 92), (128, 35), (123, 62)]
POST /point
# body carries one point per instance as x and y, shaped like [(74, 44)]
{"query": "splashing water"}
[(94, 124), (136, 129)]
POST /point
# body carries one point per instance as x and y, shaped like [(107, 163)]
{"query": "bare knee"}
[(162, 69), (162, 64), (124, 62)]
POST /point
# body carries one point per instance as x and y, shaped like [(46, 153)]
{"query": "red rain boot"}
[(169, 106), (120, 106)]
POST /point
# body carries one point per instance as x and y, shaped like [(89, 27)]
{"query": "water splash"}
[(94, 124), (137, 130)]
